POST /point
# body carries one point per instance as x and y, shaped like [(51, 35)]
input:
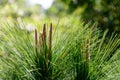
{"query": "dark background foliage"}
[(105, 12)]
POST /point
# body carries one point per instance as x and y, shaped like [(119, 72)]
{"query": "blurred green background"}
[(104, 12)]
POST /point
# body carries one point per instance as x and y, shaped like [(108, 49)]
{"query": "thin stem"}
[(87, 50)]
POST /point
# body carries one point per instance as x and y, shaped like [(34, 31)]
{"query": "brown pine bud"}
[(44, 33), (36, 38)]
